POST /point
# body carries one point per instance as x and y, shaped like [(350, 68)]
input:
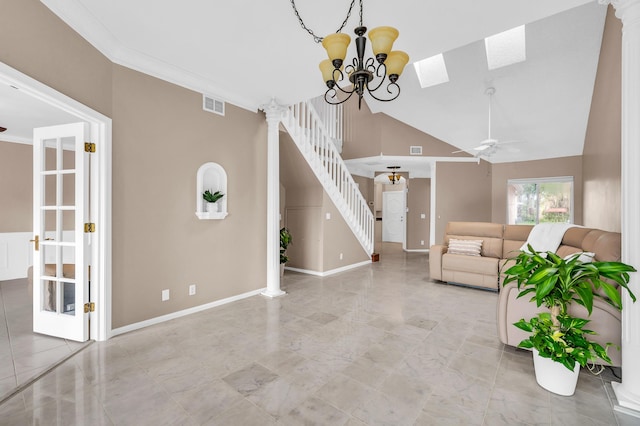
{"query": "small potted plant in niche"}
[(211, 198), (285, 240), (558, 340)]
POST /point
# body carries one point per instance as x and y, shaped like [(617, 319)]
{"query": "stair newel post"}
[(274, 114)]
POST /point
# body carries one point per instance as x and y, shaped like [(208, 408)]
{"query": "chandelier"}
[(393, 177), (364, 75)]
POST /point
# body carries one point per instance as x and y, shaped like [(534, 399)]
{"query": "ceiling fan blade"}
[(458, 151), (482, 147)]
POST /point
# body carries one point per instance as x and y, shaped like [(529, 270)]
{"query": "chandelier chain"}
[(317, 38)]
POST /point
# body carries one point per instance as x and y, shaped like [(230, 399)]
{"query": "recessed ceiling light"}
[(431, 71), (506, 48)]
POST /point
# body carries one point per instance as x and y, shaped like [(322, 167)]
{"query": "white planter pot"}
[(212, 207), (554, 376)]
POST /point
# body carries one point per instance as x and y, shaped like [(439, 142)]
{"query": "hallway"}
[(379, 344)]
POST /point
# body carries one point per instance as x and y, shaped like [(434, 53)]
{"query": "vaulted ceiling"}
[(248, 52)]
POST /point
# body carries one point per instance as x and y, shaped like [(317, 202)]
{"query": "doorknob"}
[(36, 240)]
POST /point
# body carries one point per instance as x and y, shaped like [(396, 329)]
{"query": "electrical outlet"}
[(423, 216), (165, 295), (192, 289), (421, 242), (341, 256)]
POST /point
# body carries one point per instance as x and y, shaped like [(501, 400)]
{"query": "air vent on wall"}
[(212, 105), (415, 150)]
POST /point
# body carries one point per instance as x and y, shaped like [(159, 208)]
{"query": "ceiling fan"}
[(490, 145)]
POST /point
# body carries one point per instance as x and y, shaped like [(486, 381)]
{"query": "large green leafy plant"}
[(556, 282)]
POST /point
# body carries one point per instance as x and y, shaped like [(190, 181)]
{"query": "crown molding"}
[(91, 29)]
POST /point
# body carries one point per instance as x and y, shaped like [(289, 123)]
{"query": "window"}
[(531, 201)]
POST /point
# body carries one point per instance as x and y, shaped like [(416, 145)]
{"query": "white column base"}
[(628, 403), (272, 293)]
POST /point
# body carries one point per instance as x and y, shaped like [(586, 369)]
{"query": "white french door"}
[(61, 246)]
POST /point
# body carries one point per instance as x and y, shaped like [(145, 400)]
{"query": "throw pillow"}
[(466, 247)]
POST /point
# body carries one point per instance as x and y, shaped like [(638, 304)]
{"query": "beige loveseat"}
[(504, 241)]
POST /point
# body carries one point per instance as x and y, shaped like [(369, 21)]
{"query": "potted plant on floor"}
[(285, 240), (212, 198), (557, 338)]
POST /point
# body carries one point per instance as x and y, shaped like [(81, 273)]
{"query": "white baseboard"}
[(330, 272), (184, 312), (417, 250)]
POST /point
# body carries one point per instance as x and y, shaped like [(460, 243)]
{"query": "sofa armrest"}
[(435, 261)]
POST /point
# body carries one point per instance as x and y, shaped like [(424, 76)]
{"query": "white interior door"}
[(393, 216), (61, 247)]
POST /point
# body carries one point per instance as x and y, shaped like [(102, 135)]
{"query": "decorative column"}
[(274, 114), (628, 392)]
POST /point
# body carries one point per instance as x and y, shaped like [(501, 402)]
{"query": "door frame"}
[(404, 213), (100, 132)]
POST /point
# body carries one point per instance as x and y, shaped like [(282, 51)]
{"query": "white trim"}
[(182, 313), (417, 250), (100, 126), (330, 272), (432, 207), (16, 139)]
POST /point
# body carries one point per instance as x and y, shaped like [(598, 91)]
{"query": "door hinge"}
[(89, 307), (89, 147), (89, 227)]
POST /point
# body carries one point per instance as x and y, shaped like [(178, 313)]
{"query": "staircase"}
[(320, 150)]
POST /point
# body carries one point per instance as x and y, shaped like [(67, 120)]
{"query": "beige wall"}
[(463, 193), (161, 137), (368, 135), (601, 155), (502, 172), (34, 41), (16, 187), (303, 218), (337, 238), (317, 242), (418, 202)]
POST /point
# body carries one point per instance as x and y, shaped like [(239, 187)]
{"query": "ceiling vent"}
[(415, 150), (212, 105)]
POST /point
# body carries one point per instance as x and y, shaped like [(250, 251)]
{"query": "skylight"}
[(506, 48), (431, 71)]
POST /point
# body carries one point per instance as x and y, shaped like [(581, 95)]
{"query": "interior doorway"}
[(15, 289)]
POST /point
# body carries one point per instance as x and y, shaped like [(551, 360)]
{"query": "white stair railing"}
[(318, 148), (331, 117)]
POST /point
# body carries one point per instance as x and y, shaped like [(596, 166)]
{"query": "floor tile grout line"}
[(6, 323), (38, 376)]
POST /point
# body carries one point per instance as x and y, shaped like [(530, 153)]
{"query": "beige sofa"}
[(503, 241)]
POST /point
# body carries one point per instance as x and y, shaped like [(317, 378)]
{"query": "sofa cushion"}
[(474, 264), (606, 245), (465, 247), (574, 236), (514, 237)]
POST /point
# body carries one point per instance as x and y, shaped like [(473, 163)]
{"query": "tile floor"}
[(378, 345), (24, 354)]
